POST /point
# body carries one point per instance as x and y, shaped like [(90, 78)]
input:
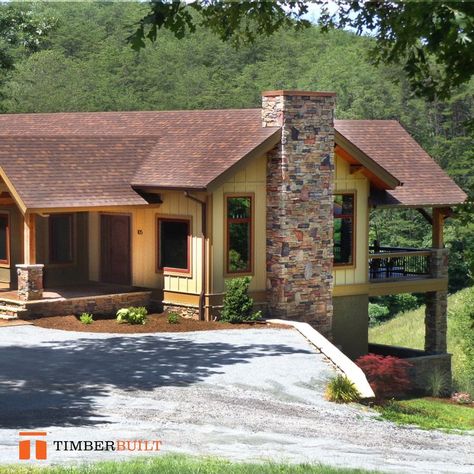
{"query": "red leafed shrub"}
[(387, 375)]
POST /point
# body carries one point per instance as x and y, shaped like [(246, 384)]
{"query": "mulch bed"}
[(155, 323)]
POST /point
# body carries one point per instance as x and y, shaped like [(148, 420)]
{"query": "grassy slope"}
[(429, 414), (172, 464), (408, 330)]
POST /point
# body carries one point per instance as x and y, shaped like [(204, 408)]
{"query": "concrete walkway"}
[(242, 394)]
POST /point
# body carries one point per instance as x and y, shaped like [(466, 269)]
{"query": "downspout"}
[(202, 296)]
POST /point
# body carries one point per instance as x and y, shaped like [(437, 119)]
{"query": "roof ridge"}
[(367, 120), (113, 112), (82, 135)]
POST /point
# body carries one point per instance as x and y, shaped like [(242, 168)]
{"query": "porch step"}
[(11, 310)]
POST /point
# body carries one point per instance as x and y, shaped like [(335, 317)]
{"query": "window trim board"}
[(353, 265), (251, 271), (169, 270)]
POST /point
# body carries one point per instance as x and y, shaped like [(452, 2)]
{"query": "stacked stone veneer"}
[(190, 312), (30, 282), (99, 304), (300, 179), (436, 324)]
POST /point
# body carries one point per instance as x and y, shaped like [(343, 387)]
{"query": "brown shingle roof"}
[(74, 171), (393, 148), (94, 159)]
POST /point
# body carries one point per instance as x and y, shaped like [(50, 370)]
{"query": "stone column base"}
[(30, 282), (436, 322)]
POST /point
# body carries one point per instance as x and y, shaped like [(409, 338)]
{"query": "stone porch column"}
[(300, 180), (30, 281), (436, 312), (30, 274)]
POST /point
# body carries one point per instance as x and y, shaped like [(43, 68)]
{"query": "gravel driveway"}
[(242, 394)]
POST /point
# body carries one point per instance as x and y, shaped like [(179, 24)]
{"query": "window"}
[(239, 234), (173, 245), (4, 239), (343, 229), (60, 238)]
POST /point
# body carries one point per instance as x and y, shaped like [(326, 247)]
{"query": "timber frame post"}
[(438, 228), (30, 274)]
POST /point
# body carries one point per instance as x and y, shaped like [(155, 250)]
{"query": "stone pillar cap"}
[(298, 93), (29, 265)]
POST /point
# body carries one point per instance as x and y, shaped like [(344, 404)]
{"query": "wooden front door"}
[(115, 252)]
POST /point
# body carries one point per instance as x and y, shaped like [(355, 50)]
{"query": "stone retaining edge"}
[(338, 358)]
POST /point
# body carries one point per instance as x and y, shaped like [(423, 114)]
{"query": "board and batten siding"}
[(144, 244), (250, 180), (358, 184)]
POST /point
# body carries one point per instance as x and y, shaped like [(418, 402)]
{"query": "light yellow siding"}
[(358, 183), (144, 242), (252, 179)]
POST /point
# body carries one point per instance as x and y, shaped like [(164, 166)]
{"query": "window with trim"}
[(239, 234), (4, 239), (174, 237), (344, 229), (61, 248)]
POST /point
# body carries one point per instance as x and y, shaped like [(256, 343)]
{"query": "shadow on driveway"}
[(54, 384)]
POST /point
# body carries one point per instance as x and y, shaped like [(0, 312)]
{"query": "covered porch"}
[(45, 269), (397, 270)]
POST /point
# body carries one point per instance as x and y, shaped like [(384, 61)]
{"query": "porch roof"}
[(423, 182), (98, 159)]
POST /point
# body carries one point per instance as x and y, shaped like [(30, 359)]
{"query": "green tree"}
[(22, 31), (432, 39)]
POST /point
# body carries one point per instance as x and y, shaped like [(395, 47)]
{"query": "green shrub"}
[(377, 313), (438, 383), (238, 305), (397, 303), (132, 315), (173, 318), (86, 318), (341, 390), (404, 302)]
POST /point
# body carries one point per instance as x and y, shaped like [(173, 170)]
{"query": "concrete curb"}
[(340, 360)]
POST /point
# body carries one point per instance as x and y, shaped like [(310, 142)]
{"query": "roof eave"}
[(16, 196), (263, 147), (391, 181), (158, 187)]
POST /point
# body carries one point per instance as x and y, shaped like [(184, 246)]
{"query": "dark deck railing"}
[(398, 263)]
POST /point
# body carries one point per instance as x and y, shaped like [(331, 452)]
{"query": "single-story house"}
[(174, 203)]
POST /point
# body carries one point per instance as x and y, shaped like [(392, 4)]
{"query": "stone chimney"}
[(300, 180)]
